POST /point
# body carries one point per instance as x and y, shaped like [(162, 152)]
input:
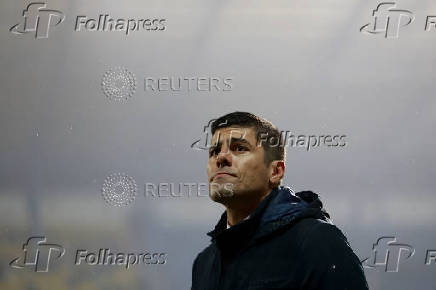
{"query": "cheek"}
[(208, 168), (253, 172)]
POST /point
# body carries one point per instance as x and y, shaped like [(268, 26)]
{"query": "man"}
[(268, 237)]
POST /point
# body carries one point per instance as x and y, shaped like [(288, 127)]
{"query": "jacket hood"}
[(280, 208), (285, 204)]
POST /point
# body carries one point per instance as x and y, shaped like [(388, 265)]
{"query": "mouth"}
[(221, 174)]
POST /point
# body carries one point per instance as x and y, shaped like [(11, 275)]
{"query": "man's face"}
[(236, 167)]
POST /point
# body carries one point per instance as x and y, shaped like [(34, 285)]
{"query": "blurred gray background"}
[(304, 65)]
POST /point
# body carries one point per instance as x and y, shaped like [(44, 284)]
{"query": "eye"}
[(239, 147), (213, 151)]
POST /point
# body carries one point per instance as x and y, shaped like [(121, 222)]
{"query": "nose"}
[(224, 158)]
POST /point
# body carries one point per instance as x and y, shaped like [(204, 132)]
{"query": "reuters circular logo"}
[(119, 189), (118, 84)]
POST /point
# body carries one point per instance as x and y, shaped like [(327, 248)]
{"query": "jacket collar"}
[(280, 208), (254, 218)]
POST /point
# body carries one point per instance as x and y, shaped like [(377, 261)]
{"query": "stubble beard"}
[(221, 192)]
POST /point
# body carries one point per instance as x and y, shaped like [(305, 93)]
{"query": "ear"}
[(277, 171)]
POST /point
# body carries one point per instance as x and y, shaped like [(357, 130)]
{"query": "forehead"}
[(246, 133)]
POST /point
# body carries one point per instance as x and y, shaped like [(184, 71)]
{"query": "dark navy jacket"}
[(288, 242)]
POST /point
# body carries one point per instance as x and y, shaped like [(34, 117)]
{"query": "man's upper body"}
[(288, 242), (268, 237)]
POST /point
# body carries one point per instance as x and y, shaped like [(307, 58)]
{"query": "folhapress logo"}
[(38, 20), (37, 254), (388, 254), (107, 23), (207, 137), (388, 20)]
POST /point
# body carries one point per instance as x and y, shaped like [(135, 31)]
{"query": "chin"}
[(221, 192)]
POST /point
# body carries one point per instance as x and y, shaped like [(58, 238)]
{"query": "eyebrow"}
[(232, 140)]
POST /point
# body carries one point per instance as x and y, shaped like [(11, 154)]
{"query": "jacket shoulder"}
[(323, 235), (314, 227), (204, 257), (329, 258), (209, 250), (203, 262)]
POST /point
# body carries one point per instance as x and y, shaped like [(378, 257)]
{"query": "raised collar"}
[(246, 226), (280, 208)]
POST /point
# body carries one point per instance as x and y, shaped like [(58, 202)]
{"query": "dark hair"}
[(265, 131)]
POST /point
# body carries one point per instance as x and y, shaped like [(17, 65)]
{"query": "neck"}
[(237, 212)]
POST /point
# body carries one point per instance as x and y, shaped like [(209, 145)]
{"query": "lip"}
[(218, 174)]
